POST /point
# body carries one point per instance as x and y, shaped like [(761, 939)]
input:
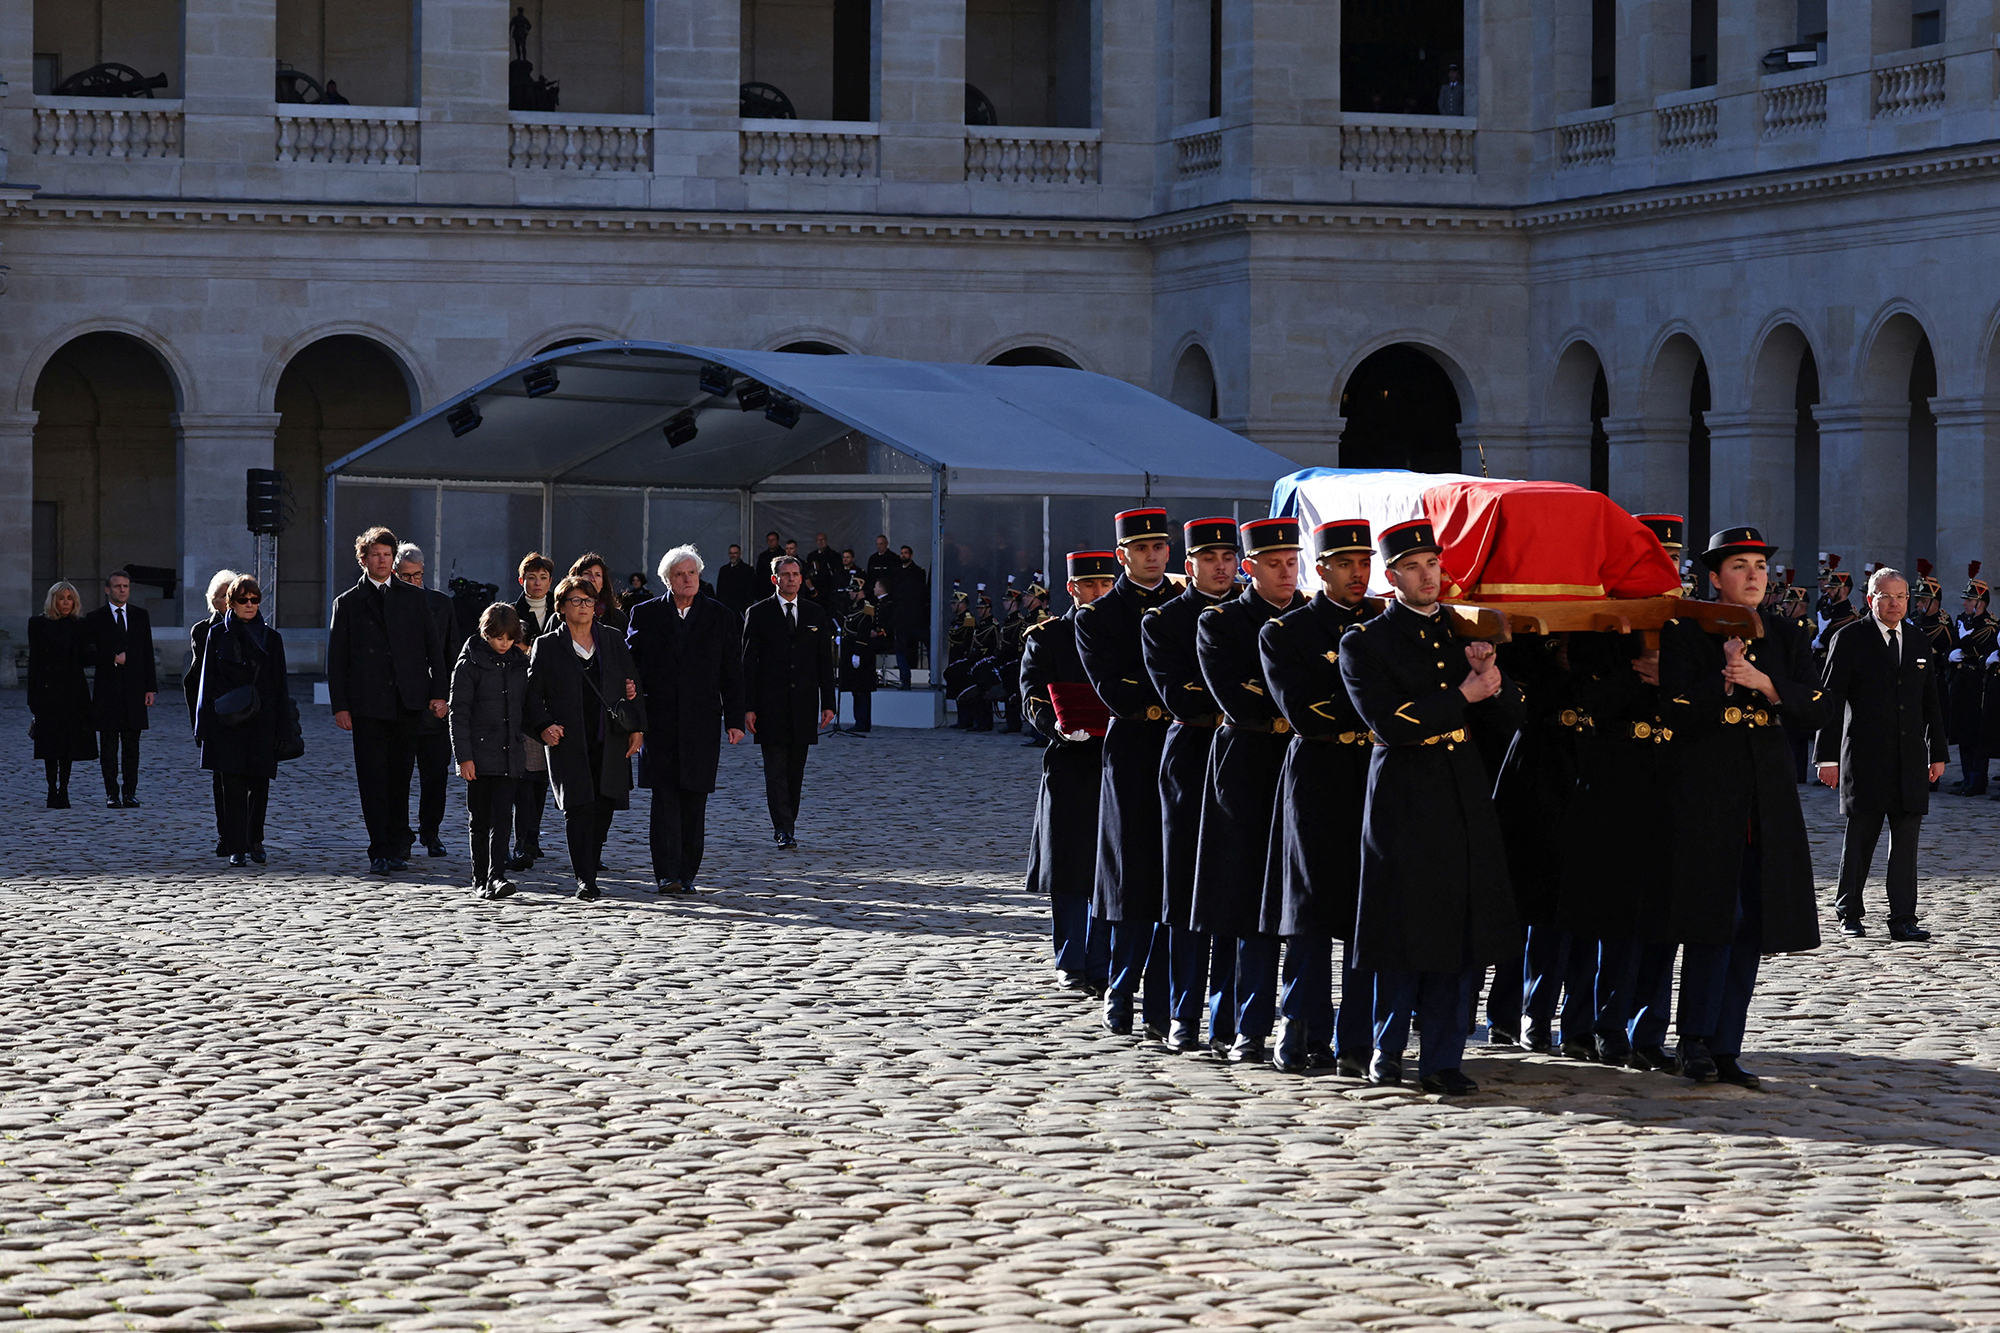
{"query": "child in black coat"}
[(488, 687)]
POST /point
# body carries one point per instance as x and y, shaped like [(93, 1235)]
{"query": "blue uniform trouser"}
[(1439, 1000), (1558, 961), (1221, 988), (1504, 996), (1717, 980), (1255, 986), (1082, 945), (1972, 764), (1635, 987), (1139, 952), (1307, 996), (1354, 1020), (1187, 971)]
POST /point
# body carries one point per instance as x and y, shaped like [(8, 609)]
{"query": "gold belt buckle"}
[(1642, 731), (1154, 712), (1569, 717), (1732, 715), (1279, 726), (1760, 718)]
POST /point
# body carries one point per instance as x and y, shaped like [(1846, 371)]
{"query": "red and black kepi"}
[(1093, 564), (1341, 536), (1271, 534), (1671, 529), (1407, 539), (1209, 534), (1139, 524)]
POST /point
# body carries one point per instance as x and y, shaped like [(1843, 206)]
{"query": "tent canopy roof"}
[(1021, 428)]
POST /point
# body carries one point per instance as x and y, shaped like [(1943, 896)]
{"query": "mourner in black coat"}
[(385, 666), (910, 594), (1199, 965), (58, 693), (120, 636), (1742, 882), (1240, 803), (788, 691), (1978, 636), (1435, 902), (191, 682), (1128, 894), (1883, 744), (689, 649), (489, 741), (857, 659), (538, 616), (1062, 849), (433, 732), (575, 677), (1312, 879), (242, 652), (738, 585)]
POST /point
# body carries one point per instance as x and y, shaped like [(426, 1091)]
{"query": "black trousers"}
[(118, 756), (385, 751), (433, 780), (784, 779), (1857, 850), (489, 816), (586, 824), (909, 650), (864, 709), (531, 798), (244, 800), (679, 833)]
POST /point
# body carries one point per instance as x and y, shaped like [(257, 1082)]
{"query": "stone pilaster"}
[(19, 599), (921, 103), (1751, 459), (1864, 488), (1968, 501), (1493, 449), (1559, 451), (214, 449), (462, 88), (1649, 463), (697, 70), (230, 66)]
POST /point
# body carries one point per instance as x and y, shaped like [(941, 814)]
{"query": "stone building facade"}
[(1730, 257)]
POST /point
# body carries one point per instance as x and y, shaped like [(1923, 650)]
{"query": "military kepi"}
[(1407, 539), (1271, 534), (1671, 529), (1139, 524), (1736, 541), (1209, 534), (1340, 536), (1975, 587), (1093, 564)]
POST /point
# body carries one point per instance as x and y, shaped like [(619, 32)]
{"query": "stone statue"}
[(518, 28)]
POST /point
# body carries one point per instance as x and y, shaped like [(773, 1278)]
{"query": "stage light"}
[(539, 380), (784, 411), (715, 380), (464, 419), (680, 428), (752, 395)]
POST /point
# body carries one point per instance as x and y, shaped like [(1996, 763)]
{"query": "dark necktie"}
[(792, 616), (119, 611), (1896, 645)]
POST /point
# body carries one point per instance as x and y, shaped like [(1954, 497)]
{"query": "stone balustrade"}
[(1420, 145), (1686, 127), (1198, 150), (98, 127), (837, 149), (1031, 156), (553, 141), (1793, 107), (1908, 90), (1589, 143), (350, 135)]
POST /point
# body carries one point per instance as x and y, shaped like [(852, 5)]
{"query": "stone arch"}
[(178, 372), (1671, 366), (1889, 351), (1400, 408), (1783, 347), (1035, 356), (1575, 443), (1451, 360), (421, 390), (813, 347), (1193, 386), (812, 335), (1034, 350), (563, 335)]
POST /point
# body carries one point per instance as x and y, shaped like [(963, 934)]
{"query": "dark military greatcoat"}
[(1167, 636), (1537, 779), (1241, 802), (1434, 889), (1062, 850), (1313, 877), (1965, 700), (1129, 831), (1738, 781)]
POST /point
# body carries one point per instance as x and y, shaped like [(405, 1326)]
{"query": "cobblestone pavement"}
[(836, 1091)]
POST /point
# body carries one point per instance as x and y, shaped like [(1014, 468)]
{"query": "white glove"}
[(1992, 658), (1824, 621), (1076, 735), (1957, 655)]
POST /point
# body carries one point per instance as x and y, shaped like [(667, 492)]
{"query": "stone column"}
[(920, 77), (1559, 451), (1281, 95), (1490, 449), (19, 598), (230, 71), (1750, 461), (1864, 487), (1309, 443), (1649, 464), (1968, 502), (17, 74), (462, 88), (697, 69), (212, 451)]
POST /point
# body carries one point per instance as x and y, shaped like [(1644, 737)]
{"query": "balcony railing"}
[(1908, 90), (351, 135), (1198, 149), (1031, 157), (88, 127), (1418, 145), (1686, 127), (1794, 107), (1588, 143), (553, 141), (830, 149)]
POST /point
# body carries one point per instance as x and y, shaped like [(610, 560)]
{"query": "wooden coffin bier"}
[(1642, 616)]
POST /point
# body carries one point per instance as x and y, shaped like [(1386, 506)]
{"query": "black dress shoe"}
[(587, 893), (113, 803), (1578, 1050), (523, 861), (1321, 1057), (1117, 1013), (1153, 1032), (669, 886), (1181, 1038), (1290, 1053), (61, 801), (498, 888), (1248, 1050), (1219, 1044), (1652, 1060), (239, 859), (1613, 1049), (1071, 981), (1907, 932), (1854, 930), (1696, 1062), (1447, 1083), (399, 863), (379, 866), (1352, 1066), (1730, 1072), (1385, 1070), (257, 854), (434, 846), (1501, 1036), (129, 801), (1536, 1037)]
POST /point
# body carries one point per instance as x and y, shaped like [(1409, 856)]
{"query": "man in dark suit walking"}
[(385, 667), (690, 654), (788, 689), (433, 733), (1882, 745), (120, 636)]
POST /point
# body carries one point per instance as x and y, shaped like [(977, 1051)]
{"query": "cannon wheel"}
[(297, 88), (764, 101), (109, 79), (979, 109)]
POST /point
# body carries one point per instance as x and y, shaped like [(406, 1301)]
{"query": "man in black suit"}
[(120, 636), (737, 585), (910, 588), (829, 585), (788, 689), (433, 733), (385, 668), (882, 562), (1882, 745), (690, 654), (765, 559)]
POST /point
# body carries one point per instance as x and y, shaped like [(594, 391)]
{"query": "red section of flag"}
[(1515, 541), (1078, 708)]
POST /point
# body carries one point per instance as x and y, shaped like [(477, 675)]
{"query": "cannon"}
[(109, 79)]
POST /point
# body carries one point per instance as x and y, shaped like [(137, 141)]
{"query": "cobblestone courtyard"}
[(836, 1091)]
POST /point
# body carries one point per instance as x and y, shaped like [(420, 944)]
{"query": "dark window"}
[(1603, 52), (1701, 43), (1401, 411), (1395, 54), (1926, 27), (1600, 440)]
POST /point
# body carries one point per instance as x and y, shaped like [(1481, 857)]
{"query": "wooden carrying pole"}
[(1499, 622)]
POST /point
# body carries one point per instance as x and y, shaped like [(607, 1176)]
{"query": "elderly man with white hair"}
[(689, 650)]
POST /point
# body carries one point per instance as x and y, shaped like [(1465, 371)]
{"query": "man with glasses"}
[(433, 733), (121, 639)]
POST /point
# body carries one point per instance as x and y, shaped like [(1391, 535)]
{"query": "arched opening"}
[(106, 475), (811, 348), (1600, 439), (1805, 461), (1401, 411), (334, 396), (1575, 447), (1897, 444), (1194, 384), (1033, 356), (1698, 458), (108, 48), (561, 343), (1397, 57), (357, 52), (1923, 452)]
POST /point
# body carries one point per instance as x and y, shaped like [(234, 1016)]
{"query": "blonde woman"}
[(218, 605), (58, 695)]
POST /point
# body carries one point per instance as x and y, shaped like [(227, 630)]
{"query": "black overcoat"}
[(231, 659), (1966, 694), (197, 642), (558, 694), (489, 698), (1240, 805), (1738, 776), (384, 655), (691, 671), (788, 673), (58, 694), (1537, 778), (1884, 722), (1062, 849), (739, 585), (446, 616), (533, 626), (857, 641), (910, 593), (1434, 890), (118, 697), (1130, 833), (1312, 880), (1166, 641)]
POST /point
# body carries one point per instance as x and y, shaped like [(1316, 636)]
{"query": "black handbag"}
[(235, 707), (291, 742), (620, 711)]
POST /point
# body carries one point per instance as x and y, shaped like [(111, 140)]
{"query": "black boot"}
[(49, 771)]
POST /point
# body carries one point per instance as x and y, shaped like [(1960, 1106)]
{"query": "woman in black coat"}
[(218, 605), (242, 651), (489, 690), (58, 695), (574, 676)]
